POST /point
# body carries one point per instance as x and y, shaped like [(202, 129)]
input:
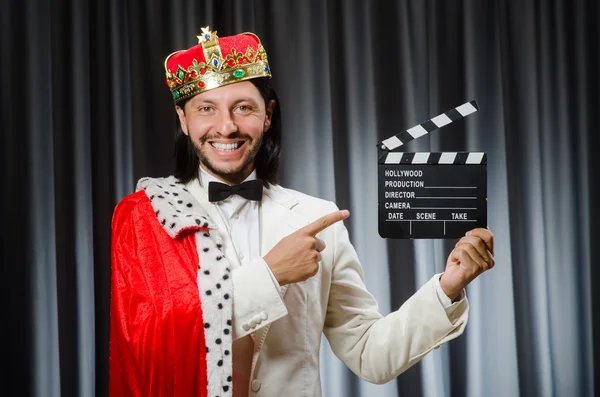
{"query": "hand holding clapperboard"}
[(431, 195)]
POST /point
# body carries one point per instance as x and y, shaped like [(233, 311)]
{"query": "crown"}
[(204, 67)]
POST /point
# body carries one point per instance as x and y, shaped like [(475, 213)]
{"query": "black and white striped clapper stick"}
[(434, 158), (457, 113)]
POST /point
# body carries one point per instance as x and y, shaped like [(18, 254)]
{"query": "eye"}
[(205, 109), (244, 108)]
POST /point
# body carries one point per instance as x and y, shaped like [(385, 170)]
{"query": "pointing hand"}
[(296, 257)]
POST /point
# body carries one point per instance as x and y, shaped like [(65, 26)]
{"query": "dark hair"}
[(266, 161)]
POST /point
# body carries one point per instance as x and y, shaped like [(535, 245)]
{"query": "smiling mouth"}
[(227, 146)]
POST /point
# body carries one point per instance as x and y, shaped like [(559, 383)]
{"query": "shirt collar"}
[(233, 203)]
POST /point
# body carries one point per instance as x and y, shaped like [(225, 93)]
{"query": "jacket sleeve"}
[(257, 300), (374, 347), (124, 374)]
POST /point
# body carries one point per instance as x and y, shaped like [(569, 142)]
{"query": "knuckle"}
[(481, 246), (466, 256)]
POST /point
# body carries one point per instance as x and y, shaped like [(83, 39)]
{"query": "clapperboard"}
[(431, 195)]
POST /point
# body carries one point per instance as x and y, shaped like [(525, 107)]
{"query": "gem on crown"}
[(206, 35)]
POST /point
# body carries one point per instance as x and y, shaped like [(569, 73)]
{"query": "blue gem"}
[(207, 36), (266, 69), (215, 62)]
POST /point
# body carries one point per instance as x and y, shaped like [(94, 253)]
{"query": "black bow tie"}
[(251, 190)]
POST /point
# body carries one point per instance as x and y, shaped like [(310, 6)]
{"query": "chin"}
[(224, 170)]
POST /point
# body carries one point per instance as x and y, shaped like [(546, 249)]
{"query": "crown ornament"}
[(215, 62)]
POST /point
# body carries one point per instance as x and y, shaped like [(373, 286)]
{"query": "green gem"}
[(238, 74), (175, 94), (180, 74)]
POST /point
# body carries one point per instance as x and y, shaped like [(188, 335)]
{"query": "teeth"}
[(225, 146)]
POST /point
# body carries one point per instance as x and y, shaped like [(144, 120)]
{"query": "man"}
[(223, 281)]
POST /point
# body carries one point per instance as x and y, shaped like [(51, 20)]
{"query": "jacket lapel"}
[(277, 219)]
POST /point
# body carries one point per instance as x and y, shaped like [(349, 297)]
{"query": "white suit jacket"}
[(288, 324)]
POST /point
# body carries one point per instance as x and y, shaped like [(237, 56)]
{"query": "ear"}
[(269, 114), (182, 120)]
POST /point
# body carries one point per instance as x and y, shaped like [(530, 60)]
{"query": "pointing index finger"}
[(324, 222)]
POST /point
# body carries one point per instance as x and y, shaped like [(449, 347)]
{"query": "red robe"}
[(157, 323)]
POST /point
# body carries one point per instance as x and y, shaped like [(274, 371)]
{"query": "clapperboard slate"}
[(431, 195)]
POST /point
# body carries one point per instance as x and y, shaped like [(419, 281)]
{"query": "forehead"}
[(243, 90)]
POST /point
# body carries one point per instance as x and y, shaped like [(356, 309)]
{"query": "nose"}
[(226, 124)]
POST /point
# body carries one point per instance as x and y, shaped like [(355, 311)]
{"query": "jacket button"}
[(257, 319), (255, 385), (245, 327), (264, 315)]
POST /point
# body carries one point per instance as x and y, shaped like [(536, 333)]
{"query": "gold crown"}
[(203, 67)]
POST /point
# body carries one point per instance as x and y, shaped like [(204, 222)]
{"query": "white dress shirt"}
[(242, 218)]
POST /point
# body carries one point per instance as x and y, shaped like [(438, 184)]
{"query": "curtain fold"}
[(85, 113)]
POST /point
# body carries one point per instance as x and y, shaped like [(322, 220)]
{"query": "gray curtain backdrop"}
[(84, 113)]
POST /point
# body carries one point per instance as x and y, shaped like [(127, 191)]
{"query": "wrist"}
[(451, 291), (275, 272)]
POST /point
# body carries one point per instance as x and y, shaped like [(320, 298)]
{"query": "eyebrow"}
[(244, 100), (203, 101)]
